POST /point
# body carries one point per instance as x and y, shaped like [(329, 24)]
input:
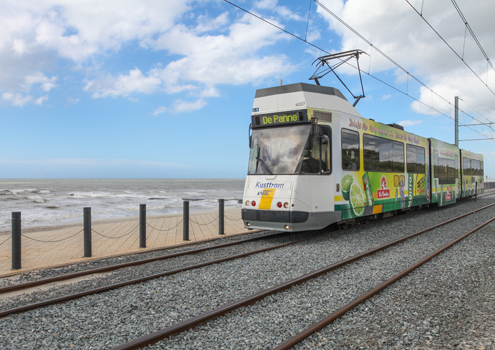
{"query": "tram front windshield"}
[(278, 150)]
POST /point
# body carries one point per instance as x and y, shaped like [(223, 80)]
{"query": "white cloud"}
[(206, 24), (36, 37), (39, 78), (17, 99), (123, 85), (159, 110), (386, 97), (222, 59), (281, 11), (397, 30), (19, 46), (184, 106), (313, 35), (39, 100), (180, 106), (410, 122), (206, 61), (72, 100), (79, 29)]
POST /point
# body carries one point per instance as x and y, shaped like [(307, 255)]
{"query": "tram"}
[(315, 161)]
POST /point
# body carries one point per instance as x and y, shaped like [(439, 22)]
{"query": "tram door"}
[(321, 181)]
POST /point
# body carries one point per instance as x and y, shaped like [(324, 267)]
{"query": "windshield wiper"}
[(264, 165)]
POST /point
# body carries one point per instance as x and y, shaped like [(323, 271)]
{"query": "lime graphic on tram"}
[(346, 186), (357, 200)]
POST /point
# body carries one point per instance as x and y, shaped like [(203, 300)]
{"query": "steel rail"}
[(227, 308), (335, 315), (154, 276), (43, 281)]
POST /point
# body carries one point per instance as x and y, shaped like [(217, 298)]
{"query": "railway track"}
[(362, 298), (7, 312), (227, 308), (61, 299)]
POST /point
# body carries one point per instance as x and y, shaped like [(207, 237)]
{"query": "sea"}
[(53, 202)]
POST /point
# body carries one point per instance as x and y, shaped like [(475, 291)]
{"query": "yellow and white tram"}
[(314, 161)]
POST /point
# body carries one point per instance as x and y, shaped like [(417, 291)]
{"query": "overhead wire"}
[(451, 48), (389, 58), (367, 73), (486, 108), (476, 109), (307, 25), (472, 34)]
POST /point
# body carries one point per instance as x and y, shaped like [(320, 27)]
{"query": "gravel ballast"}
[(107, 319)]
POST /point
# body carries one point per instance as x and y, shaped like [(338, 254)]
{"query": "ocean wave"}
[(109, 199), (36, 199)]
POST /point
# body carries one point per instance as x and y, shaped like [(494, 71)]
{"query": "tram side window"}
[(420, 160), (316, 157), (370, 153), (415, 159), (481, 169), (350, 150), (382, 154), (385, 155), (475, 164), (451, 171), (310, 162), (436, 164), (446, 171), (398, 158), (412, 165), (466, 166), (325, 152), (441, 170)]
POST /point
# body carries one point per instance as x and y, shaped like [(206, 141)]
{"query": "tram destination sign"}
[(278, 119)]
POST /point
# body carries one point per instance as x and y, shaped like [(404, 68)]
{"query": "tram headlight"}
[(247, 203), (286, 205), (248, 224), (286, 227)]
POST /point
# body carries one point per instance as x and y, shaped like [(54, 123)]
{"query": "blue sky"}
[(164, 89)]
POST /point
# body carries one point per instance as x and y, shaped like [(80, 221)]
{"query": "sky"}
[(164, 89)]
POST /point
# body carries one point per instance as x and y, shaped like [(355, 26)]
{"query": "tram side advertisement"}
[(382, 182)]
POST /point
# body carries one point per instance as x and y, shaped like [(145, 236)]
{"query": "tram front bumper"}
[(291, 221)]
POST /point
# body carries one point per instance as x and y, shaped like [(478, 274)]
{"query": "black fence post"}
[(185, 222), (87, 232), (476, 191), (142, 225), (16, 240), (221, 217)]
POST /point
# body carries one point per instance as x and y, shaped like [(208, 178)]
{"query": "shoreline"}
[(55, 227)]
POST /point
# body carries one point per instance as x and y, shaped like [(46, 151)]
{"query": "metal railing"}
[(88, 231)]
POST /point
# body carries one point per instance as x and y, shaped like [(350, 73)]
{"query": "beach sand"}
[(59, 245)]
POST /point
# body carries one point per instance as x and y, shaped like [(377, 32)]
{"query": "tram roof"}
[(285, 89)]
